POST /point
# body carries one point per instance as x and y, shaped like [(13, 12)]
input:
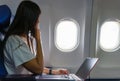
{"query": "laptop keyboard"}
[(75, 77), (59, 77)]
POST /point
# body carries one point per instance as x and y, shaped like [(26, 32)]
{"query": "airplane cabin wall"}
[(76, 10), (109, 64)]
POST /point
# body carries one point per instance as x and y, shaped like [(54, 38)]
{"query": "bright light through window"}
[(110, 35), (66, 35)]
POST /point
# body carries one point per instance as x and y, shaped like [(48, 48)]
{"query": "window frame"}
[(78, 34), (117, 46)]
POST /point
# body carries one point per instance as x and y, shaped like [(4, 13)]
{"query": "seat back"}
[(2, 67), (5, 15)]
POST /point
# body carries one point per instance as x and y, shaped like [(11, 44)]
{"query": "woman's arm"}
[(55, 71), (36, 65)]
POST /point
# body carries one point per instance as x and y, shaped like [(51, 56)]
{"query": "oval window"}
[(110, 36), (66, 35)]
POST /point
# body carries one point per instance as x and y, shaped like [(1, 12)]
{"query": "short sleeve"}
[(22, 54), (17, 51)]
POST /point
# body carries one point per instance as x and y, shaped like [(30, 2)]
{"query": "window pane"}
[(110, 35), (66, 36)]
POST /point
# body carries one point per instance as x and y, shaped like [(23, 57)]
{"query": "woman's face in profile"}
[(38, 23)]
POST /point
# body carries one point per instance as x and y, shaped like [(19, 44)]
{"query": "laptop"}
[(82, 73)]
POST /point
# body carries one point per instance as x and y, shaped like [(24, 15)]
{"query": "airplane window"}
[(67, 35), (110, 36)]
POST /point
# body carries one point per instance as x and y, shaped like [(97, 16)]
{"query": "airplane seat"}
[(5, 15)]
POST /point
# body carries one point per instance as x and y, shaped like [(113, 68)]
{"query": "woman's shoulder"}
[(13, 42), (13, 39)]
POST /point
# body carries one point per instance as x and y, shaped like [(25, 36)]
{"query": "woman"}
[(19, 53)]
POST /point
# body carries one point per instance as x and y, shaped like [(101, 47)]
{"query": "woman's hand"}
[(36, 33), (60, 71)]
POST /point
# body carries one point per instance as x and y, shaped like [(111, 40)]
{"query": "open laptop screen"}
[(86, 67)]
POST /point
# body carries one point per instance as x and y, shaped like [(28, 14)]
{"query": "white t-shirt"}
[(16, 52)]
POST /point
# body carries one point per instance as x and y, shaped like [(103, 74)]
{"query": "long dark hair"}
[(26, 16), (25, 19)]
